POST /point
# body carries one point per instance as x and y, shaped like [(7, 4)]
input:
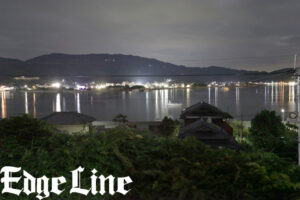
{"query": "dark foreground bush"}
[(161, 168), (26, 129), (269, 134)]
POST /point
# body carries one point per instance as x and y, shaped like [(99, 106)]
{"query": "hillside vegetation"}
[(160, 167)]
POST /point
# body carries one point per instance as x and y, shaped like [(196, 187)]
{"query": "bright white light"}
[(282, 110), (5, 88), (165, 85), (292, 83), (58, 104), (80, 87), (101, 86), (55, 85)]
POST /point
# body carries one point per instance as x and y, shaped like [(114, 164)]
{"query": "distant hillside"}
[(9, 61), (57, 64)]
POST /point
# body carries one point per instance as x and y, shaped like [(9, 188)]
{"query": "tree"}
[(25, 128), (270, 134), (120, 118), (267, 123), (167, 126)]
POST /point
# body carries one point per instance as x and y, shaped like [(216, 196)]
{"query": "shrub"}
[(160, 167), (270, 134), (167, 126), (25, 128), (121, 119)]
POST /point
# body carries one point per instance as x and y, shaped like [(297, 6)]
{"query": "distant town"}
[(35, 83)]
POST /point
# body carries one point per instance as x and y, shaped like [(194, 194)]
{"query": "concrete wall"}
[(140, 125), (73, 128)]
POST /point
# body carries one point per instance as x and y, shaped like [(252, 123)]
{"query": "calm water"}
[(150, 105)]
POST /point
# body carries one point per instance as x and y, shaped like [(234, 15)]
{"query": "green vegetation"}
[(120, 118), (161, 167), (25, 129), (240, 132), (198, 85), (271, 135), (127, 87), (168, 127)]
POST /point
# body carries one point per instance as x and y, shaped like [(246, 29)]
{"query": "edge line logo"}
[(40, 186)]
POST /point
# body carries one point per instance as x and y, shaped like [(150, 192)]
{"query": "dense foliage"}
[(120, 118), (161, 167), (168, 126), (25, 129), (196, 85), (270, 134)]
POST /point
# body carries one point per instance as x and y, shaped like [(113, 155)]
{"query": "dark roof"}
[(203, 109), (68, 118), (208, 133)]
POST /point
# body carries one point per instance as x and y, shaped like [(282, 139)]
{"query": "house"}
[(209, 124), (209, 134), (208, 113), (71, 122)]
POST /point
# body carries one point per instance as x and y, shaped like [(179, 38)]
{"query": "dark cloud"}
[(249, 34)]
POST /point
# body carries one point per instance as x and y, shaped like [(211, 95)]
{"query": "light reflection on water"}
[(209, 95), (150, 104), (26, 103), (237, 99), (57, 103), (291, 102), (216, 96), (3, 104), (34, 105)]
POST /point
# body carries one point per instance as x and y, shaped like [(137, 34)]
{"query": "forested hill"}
[(58, 64)]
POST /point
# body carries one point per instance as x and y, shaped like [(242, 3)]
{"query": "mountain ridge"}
[(61, 64)]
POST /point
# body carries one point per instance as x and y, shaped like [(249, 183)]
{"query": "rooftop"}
[(68, 118), (203, 109), (208, 133)]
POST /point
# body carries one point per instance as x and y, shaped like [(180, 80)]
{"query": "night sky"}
[(244, 34)]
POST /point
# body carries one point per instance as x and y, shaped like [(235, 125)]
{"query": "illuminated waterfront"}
[(152, 104)]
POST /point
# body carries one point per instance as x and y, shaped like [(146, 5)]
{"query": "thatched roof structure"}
[(203, 109), (208, 133), (68, 118)]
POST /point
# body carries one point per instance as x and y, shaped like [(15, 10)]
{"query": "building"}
[(209, 124), (209, 134), (26, 78), (208, 113), (71, 122)]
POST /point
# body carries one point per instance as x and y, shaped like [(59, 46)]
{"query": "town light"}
[(80, 87), (292, 83), (55, 85)]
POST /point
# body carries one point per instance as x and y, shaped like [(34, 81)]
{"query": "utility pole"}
[(298, 117), (298, 105), (242, 126)]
